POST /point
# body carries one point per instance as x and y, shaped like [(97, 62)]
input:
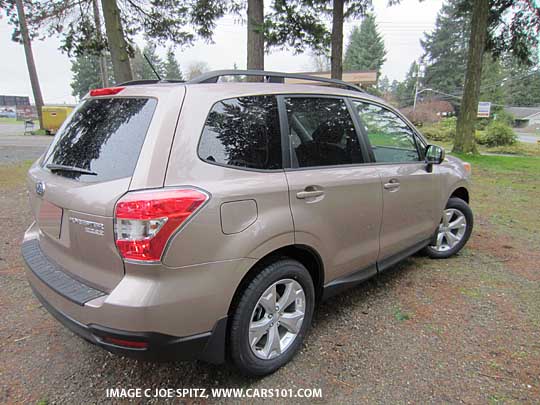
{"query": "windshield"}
[(103, 137)]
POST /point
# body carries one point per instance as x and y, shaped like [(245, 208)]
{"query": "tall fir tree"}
[(492, 77), (522, 84), (87, 74), (154, 62), (446, 49), (404, 91), (171, 67), (365, 50), (140, 66)]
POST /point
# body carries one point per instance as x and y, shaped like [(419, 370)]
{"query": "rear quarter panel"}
[(202, 240)]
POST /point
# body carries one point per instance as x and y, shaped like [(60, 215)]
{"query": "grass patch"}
[(530, 165), (8, 120), (401, 316), (39, 132), (13, 175), (471, 292), (519, 148)]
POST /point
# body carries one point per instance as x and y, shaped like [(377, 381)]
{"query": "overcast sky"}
[(402, 27)]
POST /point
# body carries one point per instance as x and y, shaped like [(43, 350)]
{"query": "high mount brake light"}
[(106, 91), (145, 221)]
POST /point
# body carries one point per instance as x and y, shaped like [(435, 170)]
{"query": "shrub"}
[(445, 130), (497, 133), (505, 117)]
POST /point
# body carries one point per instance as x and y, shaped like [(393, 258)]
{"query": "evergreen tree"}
[(86, 74), (446, 49), (384, 85), (140, 66), (522, 83), (137, 64), (492, 78), (365, 50), (404, 91), (171, 67), (150, 50)]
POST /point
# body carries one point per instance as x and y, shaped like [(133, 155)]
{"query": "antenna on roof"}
[(152, 66)]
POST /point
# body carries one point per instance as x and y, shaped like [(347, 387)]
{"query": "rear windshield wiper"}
[(53, 167)]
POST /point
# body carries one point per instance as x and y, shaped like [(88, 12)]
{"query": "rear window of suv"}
[(103, 137), (243, 132)]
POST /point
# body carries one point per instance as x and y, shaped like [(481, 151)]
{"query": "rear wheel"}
[(453, 231), (272, 317)]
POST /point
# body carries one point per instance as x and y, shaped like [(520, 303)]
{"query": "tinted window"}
[(392, 140), (104, 136), (243, 132), (322, 132)]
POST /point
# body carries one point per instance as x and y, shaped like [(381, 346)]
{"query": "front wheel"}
[(454, 230), (272, 318)]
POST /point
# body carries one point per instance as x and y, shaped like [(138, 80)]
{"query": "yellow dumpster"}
[(53, 117)]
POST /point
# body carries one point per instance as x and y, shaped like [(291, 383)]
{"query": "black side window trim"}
[(417, 139), (285, 162), (286, 137)]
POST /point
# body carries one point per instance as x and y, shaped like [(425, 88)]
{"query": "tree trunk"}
[(102, 61), (255, 36), (34, 81), (464, 141), (336, 57), (117, 42)]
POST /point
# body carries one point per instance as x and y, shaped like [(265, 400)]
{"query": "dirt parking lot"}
[(463, 330)]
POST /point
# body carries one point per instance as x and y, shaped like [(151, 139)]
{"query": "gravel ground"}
[(15, 147), (463, 330)]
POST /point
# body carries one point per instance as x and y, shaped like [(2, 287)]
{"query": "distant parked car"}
[(204, 220)]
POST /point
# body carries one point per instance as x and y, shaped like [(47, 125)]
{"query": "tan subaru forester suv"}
[(205, 220)]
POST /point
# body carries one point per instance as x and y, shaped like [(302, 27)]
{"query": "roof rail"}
[(149, 81), (270, 77)]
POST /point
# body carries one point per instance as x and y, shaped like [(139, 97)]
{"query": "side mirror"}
[(434, 156)]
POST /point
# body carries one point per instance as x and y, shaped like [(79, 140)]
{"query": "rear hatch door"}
[(74, 188)]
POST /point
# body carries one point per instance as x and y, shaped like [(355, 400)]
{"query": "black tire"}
[(241, 353), (460, 205)]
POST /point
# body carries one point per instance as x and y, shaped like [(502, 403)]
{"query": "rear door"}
[(410, 192), (336, 200), (74, 188)]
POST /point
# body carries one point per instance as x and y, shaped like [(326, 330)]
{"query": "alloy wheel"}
[(277, 319), (451, 230)]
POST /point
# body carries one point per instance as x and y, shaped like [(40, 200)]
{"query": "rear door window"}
[(322, 132), (104, 136), (243, 132)]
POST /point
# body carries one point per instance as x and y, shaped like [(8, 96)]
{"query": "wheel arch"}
[(460, 192), (306, 255)]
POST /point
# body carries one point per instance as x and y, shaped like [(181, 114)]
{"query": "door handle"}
[(392, 185), (309, 194)]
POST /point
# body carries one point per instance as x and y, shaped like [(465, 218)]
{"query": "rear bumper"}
[(208, 346), (152, 307)]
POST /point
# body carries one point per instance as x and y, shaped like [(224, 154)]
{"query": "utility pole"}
[(102, 60), (32, 72), (416, 92)]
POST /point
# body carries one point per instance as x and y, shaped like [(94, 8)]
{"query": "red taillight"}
[(106, 91), (126, 343), (144, 221)]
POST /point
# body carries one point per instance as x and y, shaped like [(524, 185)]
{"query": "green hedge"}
[(497, 133), (444, 130)]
